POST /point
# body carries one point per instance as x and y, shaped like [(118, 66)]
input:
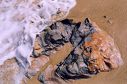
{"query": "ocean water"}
[(22, 20)]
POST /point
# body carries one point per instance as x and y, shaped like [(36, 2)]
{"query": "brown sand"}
[(114, 23)]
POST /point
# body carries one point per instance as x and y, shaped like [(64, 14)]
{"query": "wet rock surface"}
[(54, 36), (93, 51), (76, 65), (96, 53)]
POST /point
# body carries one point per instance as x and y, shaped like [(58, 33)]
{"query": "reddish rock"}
[(94, 52), (11, 73), (36, 65), (105, 55)]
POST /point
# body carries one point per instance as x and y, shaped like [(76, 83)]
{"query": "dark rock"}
[(75, 66), (81, 31), (93, 50), (75, 37), (55, 36), (41, 78)]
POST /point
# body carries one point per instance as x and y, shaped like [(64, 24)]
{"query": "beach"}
[(110, 16)]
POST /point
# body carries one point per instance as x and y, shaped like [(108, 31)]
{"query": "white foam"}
[(21, 20)]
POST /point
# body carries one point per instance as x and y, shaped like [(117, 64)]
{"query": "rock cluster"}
[(93, 51), (96, 52), (54, 36)]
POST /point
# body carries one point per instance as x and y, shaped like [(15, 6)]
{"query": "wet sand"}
[(110, 15)]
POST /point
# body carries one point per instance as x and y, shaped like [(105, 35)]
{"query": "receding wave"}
[(22, 20)]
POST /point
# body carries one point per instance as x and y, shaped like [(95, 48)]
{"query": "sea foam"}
[(22, 20)]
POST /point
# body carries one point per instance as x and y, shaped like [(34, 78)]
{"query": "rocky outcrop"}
[(105, 55), (53, 37), (93, 51)]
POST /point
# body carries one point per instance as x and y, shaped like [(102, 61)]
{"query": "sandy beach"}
[(109, 15)]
